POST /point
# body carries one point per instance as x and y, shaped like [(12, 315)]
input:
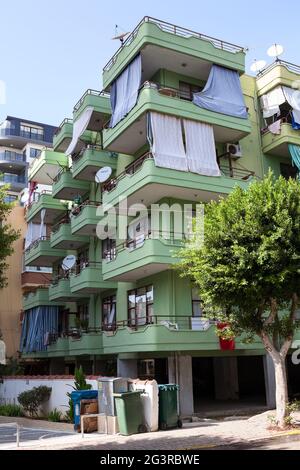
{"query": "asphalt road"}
[(8, 434)]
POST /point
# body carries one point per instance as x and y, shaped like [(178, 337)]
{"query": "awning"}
[(222, 93), (79, 127), (124, 91)]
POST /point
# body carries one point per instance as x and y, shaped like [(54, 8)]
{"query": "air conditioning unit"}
[(234, 150)]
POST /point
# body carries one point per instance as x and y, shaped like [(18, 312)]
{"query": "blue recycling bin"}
[(76, 397)]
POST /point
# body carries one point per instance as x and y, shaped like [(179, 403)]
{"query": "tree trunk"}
[(281, 391)]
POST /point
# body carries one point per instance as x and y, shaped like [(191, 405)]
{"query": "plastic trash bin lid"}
[(166, 387), (78, 394)]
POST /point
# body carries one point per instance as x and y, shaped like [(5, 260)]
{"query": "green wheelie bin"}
[(129, 412), (168, 405)]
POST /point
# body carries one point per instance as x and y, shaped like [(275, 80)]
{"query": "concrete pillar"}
[(127, 368), (57, 367), (226, 378), (270, 384), (181, 373)]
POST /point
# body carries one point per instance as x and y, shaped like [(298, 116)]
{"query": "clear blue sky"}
[(52, 51)]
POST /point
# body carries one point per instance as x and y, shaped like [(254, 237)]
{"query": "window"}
[(288, 171), (83, 314), (186, 90), (29, 132), (140, 306), (109, 313), (34, 153), (109, 251), (196, 303)]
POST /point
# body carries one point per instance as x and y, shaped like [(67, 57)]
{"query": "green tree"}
[(8, 235), (248, 268)]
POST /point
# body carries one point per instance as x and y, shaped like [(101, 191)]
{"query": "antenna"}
[(258, 65), (275, 50), (120, 35)]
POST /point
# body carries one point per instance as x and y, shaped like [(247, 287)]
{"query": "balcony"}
[(129, 135), (40, 253), (33, 279), (60, 291), (87, 279), (44, 169), (162, 333), (11, 137), (84, 219), (66, 187), (279, 73), (63, 135), (143, 181), (44, 200), (62, 238), (277, 144), (136, 260), (100, 102), (15, 182), (10, 161), (162, 43), (90, 160), (37, 298)]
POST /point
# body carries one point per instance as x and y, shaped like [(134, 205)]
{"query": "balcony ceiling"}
[(139, 273)]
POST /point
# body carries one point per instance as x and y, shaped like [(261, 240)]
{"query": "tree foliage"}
[(248, 267)]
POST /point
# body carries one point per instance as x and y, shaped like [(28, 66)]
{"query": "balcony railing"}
[(178, 31), (176, 323), (87, 93), (36, 196), (78, 156), (35, 243), (65, 121), (75, 211), (63, 221), (9, 156), (84, 264), (288, 65)]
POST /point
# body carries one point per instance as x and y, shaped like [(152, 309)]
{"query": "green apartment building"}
[(178, 123)]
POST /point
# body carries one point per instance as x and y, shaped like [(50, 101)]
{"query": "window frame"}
[(134, 320)]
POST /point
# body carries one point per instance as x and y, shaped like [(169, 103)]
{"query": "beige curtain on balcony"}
[(32, 234), (79, 127), (200, 148), (167, 142)]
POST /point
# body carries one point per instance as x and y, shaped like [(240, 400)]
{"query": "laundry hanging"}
[(222, 93), (271, 101), (295, 124), (295, 154), (292, 97), (167, 142), (79, 126), (200, 148), (124, 91)]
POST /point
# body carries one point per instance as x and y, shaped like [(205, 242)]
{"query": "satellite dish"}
[(103, 174), (120, 36), (25, 196), (68, 262), (258, 65), (275, 50)]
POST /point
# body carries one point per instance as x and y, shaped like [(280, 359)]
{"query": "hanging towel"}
[(124, 91), (200, 148), (275, 128), (222, 93)]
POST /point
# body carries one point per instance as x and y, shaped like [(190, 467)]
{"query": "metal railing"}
[(77, 210), (36, 242), (37, 196), (76, 157), (90, 92), (288, 65), (65, 121), (18, 427), (10, 156), (178, 31), (84, 264), (130, 169), (63, 221), (175, 323)]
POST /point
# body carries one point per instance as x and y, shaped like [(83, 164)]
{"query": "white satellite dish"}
[(258, 65), (275, 50), (103, 174), (68, 262), (25, 196)]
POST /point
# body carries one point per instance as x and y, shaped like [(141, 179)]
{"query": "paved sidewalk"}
[(199, 435)]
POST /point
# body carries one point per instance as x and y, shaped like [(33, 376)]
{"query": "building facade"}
[(21, 142), (178, 123)]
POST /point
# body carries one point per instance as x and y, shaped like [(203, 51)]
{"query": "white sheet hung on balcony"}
[(124, 91), (79, 127), (32, 234), (200, 148), (292, 97), (43, 226), (167, 142), (222, 93), (271, 101)]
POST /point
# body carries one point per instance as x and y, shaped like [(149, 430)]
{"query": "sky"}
[(51, 51)]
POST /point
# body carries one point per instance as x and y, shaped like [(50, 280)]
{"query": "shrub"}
[(55, 416), (79, 384), (11, 410), (32, 399)]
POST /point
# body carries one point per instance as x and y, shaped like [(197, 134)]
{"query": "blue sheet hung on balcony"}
[(38, 324), (124, 91), (222, 93), (295, 154)]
